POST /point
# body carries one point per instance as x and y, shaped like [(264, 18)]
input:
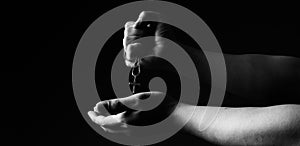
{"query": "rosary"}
[(136, 70)]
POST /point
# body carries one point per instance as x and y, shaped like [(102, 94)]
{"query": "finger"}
[(113, 106), (124, 131), (129, 24), (111, 120), (133, 101), (92, 116), (130, 101), (108, 107), (144, 95), (109, 125), (133, 50), (129, 28), (148, 16), (129, 32), (100, 108), (98, 119)]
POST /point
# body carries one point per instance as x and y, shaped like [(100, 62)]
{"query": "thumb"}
[(148, 16)]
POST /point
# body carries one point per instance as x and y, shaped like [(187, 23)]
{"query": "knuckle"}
[(128, 39), (129, 24), (148, 16), (129, 30)]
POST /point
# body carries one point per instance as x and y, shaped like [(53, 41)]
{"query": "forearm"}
[(245, 126)]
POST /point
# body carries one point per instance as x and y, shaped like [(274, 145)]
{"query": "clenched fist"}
[(141, 38)]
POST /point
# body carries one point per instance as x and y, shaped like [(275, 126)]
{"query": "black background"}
[(38, 102)]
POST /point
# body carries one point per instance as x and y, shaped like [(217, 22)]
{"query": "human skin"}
[(272, 125), (254, 75)]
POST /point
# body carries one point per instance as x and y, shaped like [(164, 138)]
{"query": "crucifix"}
[(136, 70)]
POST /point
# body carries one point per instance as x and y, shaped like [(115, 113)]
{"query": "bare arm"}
[(275, 125)]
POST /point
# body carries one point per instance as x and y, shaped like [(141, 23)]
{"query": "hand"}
[(137, 47), (122, 115)]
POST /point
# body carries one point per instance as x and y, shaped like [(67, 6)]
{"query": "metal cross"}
[(134, 83)]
